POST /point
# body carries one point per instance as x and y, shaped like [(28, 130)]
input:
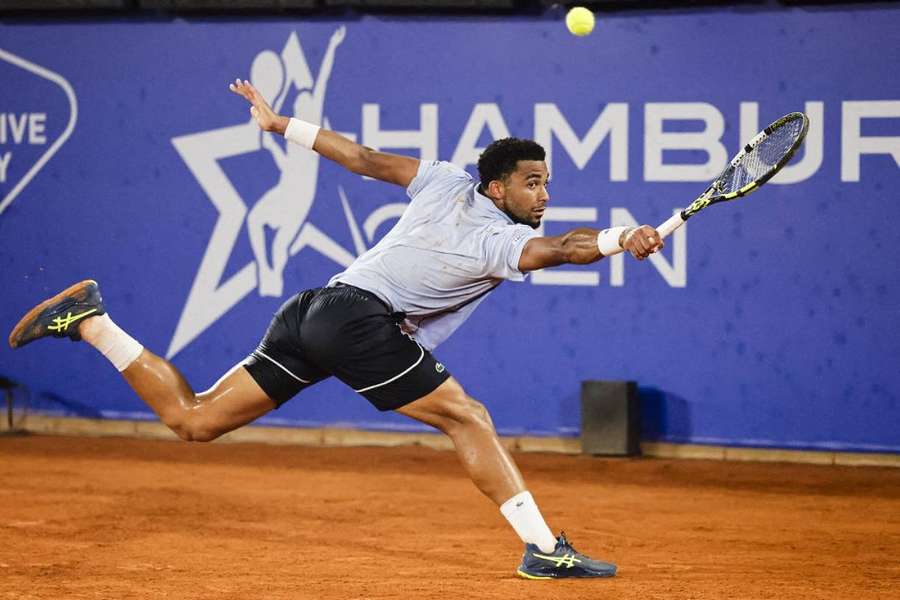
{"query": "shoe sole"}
[(525, 575), (34, 312)]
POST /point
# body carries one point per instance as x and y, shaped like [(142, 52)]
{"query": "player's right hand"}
[(266, 118), (642, 241)]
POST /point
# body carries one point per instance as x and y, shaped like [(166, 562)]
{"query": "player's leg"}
[(491, 467), (488, 463), (246, 392), (232, 402), (468, 423)]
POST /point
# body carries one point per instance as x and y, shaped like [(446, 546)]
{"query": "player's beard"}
[(532, 221), (529, 219)]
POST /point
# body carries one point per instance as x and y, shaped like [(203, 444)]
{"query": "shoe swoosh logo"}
[(567, 560), (62, 323)]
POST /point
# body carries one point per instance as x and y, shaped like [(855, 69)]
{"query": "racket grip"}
[(670, 225)]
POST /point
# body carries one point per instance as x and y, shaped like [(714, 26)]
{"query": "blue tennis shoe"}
[(59, 316), (563, 562)]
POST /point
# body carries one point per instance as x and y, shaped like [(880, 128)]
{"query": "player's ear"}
[(496, 189)]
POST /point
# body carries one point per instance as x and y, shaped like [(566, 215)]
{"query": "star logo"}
[(284, 208)]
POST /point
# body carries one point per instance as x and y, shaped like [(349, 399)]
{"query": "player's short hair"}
[(499, 159)]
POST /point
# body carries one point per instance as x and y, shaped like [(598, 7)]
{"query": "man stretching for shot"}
[(374, 325)]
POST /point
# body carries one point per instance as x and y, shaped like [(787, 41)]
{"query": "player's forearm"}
[(580, 247), (392, 168), (348, 154), (329, 144)]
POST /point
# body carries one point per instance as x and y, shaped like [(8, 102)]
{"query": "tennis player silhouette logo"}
[(285, 206), (285, 78)]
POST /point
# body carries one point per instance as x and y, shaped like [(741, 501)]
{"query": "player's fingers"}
[(648, 245), (653, 243), (640, 243), (238, 88), (252, 92), (256, 98)]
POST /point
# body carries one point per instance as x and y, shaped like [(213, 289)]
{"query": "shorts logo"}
[(439, 367), (27, 127)]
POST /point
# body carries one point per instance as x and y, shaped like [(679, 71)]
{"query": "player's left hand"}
[(642, 241), (266, 118)]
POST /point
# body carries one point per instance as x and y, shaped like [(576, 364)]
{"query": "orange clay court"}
[(129, 518)]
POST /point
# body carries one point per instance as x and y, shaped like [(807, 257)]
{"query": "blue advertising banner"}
[(771, 321)]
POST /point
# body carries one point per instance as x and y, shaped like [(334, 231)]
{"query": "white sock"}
[(525, 517), (120, 348)]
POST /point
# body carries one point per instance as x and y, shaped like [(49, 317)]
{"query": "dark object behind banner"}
[(610, 418), (13, 416)]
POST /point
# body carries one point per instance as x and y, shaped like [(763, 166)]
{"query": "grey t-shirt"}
[(449, 249)]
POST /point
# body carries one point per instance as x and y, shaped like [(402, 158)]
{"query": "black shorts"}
[(349, 333)]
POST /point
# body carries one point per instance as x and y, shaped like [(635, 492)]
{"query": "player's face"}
[(525, 192)]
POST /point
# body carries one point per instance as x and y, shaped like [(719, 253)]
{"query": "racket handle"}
[(670, 225)]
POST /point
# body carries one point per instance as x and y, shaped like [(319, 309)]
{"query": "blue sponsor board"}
[(773, 321)]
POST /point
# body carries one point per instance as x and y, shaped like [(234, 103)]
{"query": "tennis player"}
[(374, 325)]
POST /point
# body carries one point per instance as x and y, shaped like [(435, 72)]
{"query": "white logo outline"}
[(210, 297), (61, 81)]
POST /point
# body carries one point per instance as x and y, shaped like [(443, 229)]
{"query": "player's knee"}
[(192, 429), (203, 435), (478, 414), (469, 412)]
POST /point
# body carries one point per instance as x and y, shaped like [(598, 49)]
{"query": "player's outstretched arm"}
[(392, 168), (582, 246)]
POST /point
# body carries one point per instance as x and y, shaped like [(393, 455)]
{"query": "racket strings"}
[(764, 157)]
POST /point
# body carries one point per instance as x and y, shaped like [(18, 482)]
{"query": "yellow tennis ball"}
[(580, 21)]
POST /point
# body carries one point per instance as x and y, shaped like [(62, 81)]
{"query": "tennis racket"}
[(755, 164)]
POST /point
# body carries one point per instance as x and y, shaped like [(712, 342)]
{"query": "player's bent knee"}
[(195, 430), (451, 410), (479, 414), (465, 409), (468, 412)]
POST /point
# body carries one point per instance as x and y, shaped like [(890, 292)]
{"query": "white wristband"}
[(608, 241), (301, 133)]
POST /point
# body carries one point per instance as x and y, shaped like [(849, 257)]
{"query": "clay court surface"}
[(127, 518)]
